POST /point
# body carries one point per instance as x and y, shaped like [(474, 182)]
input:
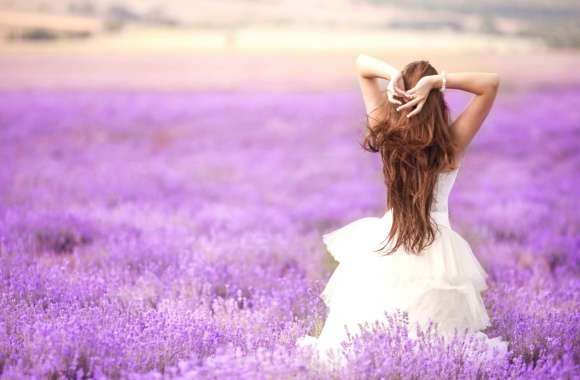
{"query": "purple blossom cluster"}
[(177, 235)]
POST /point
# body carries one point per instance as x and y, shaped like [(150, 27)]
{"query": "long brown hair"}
[(414, 151)]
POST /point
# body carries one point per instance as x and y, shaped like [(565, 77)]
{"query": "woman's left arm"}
[(370, 70)]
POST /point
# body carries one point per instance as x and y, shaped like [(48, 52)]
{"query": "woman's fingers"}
[(401, 92), (417, 109), (391, 98), (391, 92), (409, 104)]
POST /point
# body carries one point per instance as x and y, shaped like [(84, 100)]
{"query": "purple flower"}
[(160, 235)]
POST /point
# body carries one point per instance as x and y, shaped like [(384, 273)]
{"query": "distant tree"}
[(122, 13), (114, 26), (158, 16), (85, 8), (35, 34), (44, 34), (488, 24)]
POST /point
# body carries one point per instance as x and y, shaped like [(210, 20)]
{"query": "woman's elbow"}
[(360, 62), (494, 81), (362, 65)]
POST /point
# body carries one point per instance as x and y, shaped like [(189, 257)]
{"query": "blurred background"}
[(168, 168), (278, 44)]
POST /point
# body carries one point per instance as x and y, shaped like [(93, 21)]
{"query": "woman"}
[(410, 259)]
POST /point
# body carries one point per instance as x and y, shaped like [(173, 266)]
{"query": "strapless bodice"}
[(440, 205), (442, 190)]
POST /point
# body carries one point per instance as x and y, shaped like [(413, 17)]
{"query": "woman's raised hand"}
[(418, 94), (396, 87)]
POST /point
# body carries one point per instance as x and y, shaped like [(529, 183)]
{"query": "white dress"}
[(443, 284)]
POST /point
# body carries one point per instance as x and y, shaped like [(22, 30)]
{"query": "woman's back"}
[(442, 281)]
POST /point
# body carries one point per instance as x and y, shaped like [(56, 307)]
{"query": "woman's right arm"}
[(484, 86)]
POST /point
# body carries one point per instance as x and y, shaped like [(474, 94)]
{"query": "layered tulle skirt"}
[(442, 285)]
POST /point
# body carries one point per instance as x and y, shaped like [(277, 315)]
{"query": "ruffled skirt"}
[(442, 285)]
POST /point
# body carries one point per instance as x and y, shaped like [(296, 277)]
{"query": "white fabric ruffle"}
[(442, 285)]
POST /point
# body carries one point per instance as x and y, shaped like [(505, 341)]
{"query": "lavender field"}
[(177, 234)]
